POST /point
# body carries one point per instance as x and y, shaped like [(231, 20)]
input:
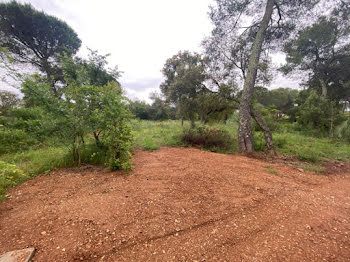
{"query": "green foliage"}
[(184, 76), (283, 99), (321, 50), (312, 149), (312, 168), (149, 145), (342, 131), (318, 113), (37, 161), (87, 109), (34, 37), (8, 101), (149, 135), (14, 140), (271, 117), (211, 138), (92, 71), (271, 170), (10, 175)]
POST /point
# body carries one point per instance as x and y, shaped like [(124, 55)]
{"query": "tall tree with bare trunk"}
[(264, 26)]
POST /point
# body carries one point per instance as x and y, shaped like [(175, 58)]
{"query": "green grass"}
[(312, 149), (312, 167), (151, 135), (271, 170), (39, 161), (32, 163)]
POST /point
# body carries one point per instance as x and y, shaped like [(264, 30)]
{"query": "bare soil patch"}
[(181, 204)]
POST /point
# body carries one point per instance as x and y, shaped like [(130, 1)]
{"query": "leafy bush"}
[(10, 175), (211, 138), (149, 144), (270, 115), (343, 131), (319, 113), (12, 140)]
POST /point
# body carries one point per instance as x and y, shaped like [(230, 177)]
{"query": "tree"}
[(283, 99), (275, 22), (35, 38), (319, 113), (217, 105), (184, 76), (8, 101), (321, 49)]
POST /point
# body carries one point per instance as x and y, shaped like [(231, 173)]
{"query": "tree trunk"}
[(192, 123), (182, 121), (331, 131), (97, 139), (324, 87), (267, 133), (245, 135)]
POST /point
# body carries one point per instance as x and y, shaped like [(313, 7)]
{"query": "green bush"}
[(14, 140), (10, 176), (342, 131), (319, 113), (149, 144), (211, 138)]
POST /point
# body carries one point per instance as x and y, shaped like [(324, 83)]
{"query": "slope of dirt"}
[(181, 204)]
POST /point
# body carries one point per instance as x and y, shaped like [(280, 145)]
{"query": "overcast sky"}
[(140, 35)]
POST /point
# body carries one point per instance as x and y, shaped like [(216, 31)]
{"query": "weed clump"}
[(211, 138)]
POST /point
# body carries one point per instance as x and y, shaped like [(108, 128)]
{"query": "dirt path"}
[(181, 205)]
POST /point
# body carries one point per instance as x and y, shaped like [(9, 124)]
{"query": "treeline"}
[(80, 101)]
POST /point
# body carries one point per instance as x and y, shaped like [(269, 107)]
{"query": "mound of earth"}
[(181, 204)]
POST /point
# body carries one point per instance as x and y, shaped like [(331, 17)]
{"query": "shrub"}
[(10, 175), (343, 131), (319, 113), (210, 138), (13, 140)]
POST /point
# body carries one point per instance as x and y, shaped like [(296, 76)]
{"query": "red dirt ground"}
[(181, 205)]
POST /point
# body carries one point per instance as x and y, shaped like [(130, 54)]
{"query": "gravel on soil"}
[(181, 204)]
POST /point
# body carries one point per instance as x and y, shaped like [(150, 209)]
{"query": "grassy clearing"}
[(39, 161), (151, 135), (312, 149), (18, 167)]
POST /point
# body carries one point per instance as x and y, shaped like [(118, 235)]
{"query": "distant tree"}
[(322, 50), (282, 99), (160, 109), (35, 38), (140, 109), (8, 101), (184, 76), (217, 105), (319, 113), (232, 19)]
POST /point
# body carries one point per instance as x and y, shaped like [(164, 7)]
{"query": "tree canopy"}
[(35, 38)]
